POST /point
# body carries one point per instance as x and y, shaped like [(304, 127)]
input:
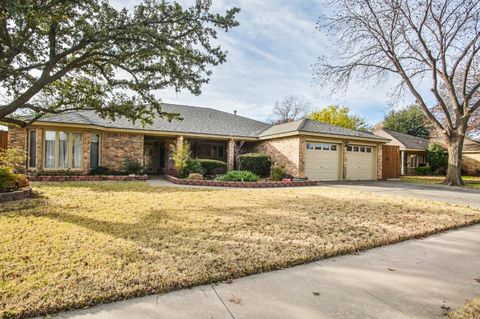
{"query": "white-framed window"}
[(63, 149), (310, 146), (321, 147), (94, 150), (359, 149), (32, 148)]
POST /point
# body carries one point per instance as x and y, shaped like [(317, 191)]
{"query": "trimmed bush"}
[(423, 170), (21, 180), (193, 166), (238, 176), (257, 163), (278, 173), (195, 176), (100, 170), (7, 180), (132, 166), (213, 167), (437, 158)]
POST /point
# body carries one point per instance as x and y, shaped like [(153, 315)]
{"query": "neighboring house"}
[(413, 150), (80, 141)]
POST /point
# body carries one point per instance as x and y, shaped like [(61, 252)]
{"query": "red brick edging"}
[(86, 178), (22, 193), (239, 184)]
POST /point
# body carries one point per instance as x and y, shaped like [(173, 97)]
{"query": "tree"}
[(69, 55), (292, 108), (435, 42), (437, 158), (409, 120), (340, 116)]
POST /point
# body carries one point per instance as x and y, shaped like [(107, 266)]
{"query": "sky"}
[(270, 56)]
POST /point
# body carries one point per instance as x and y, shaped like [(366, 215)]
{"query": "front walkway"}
[(414, 279)]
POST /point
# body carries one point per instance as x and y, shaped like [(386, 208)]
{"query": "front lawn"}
[(85, 243), (471, 310), (470, 181)]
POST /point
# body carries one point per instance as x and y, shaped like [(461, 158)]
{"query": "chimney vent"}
[(235, 112)]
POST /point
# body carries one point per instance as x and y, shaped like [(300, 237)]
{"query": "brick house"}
[(80, 141)]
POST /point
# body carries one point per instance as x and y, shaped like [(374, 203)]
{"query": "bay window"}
[(63, 149)]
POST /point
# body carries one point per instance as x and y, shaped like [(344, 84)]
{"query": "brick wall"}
[(379, 161), (117, 147), (286, 151), (471, 163), (17, 137)]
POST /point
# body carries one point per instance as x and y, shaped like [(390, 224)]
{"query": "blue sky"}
[(270, 56)]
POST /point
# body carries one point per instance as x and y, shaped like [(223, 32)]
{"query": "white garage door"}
[(360, 162), (322, 161)]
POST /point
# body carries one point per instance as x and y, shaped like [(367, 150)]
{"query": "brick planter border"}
[(86, 178), (22, 193), (265, 184)]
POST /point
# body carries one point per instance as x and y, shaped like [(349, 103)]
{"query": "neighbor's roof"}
[(201, 120), (410, 141), (310, 126), (471, 145), (198, 120)]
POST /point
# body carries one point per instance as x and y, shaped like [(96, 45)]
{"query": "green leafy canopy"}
[(340, 116), (409, 120), (65, 55)]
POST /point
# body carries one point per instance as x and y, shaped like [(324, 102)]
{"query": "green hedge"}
[(212, 167), (238, 176), (258, 163), (423, 170)]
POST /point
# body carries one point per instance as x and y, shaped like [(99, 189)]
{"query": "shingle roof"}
[(410, 141), (310, 126), (200, 120), (197, 120), (471, 145)]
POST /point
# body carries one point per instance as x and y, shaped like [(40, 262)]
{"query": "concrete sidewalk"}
[(413, 279)]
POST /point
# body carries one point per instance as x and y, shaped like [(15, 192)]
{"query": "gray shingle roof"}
[(410, 141), (197, 120), (200, 120), (310, 126)]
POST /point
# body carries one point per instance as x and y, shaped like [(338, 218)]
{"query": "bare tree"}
[(431, 41), (292, 108)]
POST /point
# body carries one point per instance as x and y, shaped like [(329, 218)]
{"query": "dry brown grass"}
[(471, 310), (86, 243), (470, 181)]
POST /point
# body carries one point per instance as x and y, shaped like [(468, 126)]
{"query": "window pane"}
[(309, 146), (49, 149), (318, 146), (349, 148), (32, 151), (362, 149), (94, 143), (63, 150), (77, 150), (326, 147), (369, 149), (355, 148), (333, 147)]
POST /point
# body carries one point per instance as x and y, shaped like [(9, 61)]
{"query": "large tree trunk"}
[(454, 171)]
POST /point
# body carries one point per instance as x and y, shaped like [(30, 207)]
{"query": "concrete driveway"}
[(442, 193)]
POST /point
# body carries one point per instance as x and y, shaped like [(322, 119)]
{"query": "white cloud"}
[(270, 55)]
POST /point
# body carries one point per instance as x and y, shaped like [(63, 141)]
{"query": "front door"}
[(149, 158)]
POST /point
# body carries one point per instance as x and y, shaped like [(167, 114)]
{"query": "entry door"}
[(322, 161), (149, 158)]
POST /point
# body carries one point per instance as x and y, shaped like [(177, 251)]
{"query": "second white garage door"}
[(322, 161), (360, 162)]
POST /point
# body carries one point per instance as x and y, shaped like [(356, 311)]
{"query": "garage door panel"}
[(360, 162), (322, 161)]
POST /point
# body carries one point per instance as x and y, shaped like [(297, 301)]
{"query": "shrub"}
[(132, 166), (278, 172), (7, 180), (100, 170), (213, 167), (238, 176), (180, 157), (21, 180), (12, 157), (258, 163), (423, 170), (437, 158), (193, 166), (195, 176)]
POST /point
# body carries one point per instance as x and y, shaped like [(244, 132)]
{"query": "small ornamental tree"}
[(180, 156), (437, 158)]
